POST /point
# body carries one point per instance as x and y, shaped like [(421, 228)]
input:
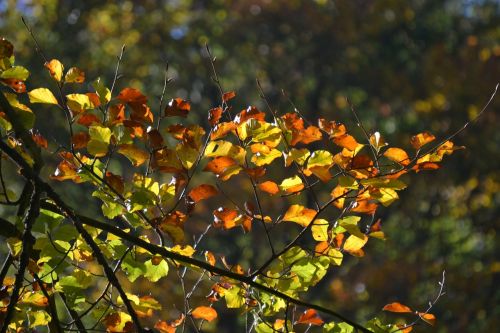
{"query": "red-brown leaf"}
[(177, 107), (228, 96), (202, 192), (310, 317)]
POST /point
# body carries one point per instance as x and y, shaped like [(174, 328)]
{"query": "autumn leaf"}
[(269, 187), (228, 96), (397, 307), (397, 155), (131, 95), (42, 95), (55, 69), (136, 155), (421, 139), (310, 317), (204, 312), (427, 317), (74, 75), (214, 116), (202, 192), (177, 107), (300, 215)]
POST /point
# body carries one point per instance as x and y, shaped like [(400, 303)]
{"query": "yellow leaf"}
[(291, 185), (300, 215), (55, 69), (354, 243), (42, 95)]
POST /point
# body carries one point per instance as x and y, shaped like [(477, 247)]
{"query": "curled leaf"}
[(397, 307)]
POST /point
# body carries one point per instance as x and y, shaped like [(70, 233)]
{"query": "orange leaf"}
[(397, 155), (404, 328), (428, 318), (169, 327), (310, 317), (250, 113), (210, 258), (225, 216), (269, 187), (131, 95), (228, 96), (202, 192), (346, 141), (300, 215), (39, 140), (17, 85), (417, 141), (204, 312), (214, 115), (177, 107), (397, 307)]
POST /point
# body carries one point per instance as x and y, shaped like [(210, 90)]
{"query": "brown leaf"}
[(6, 48), (310, 317), (80, 140), (204, 312), (397, 307), (155, 140), (177, 107), (115, 181), (202, 192), (88, 119)]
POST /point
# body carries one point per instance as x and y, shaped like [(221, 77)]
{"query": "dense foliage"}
[(180, 171), (408, 67)]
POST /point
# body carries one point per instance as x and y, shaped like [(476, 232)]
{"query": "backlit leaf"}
[(310, 317), (354, 243), (397, 155), (136, 155), (177, 107), (74, 75), (228, 96), (427, 317), (397, 307), (421, 139), (291, 185), (55, 69), (202, 192), (300, 215), (42, 95), (204, 312), (269, 187)]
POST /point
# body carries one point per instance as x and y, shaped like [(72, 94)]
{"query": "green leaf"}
[(16, 72), (132, 268), (155, 272), (320, 158), (234, 297), (348, 182), (350, 223), (338, 328), (103, 92), (78, 279), (99, 140), (42, 95), (38, 318), (15, 246)]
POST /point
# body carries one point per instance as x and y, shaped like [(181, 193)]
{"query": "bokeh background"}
[(408, 66)]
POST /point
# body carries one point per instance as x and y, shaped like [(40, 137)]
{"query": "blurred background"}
[(408, 66)]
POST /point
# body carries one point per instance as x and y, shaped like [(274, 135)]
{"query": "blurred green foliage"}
[(408, 66)]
